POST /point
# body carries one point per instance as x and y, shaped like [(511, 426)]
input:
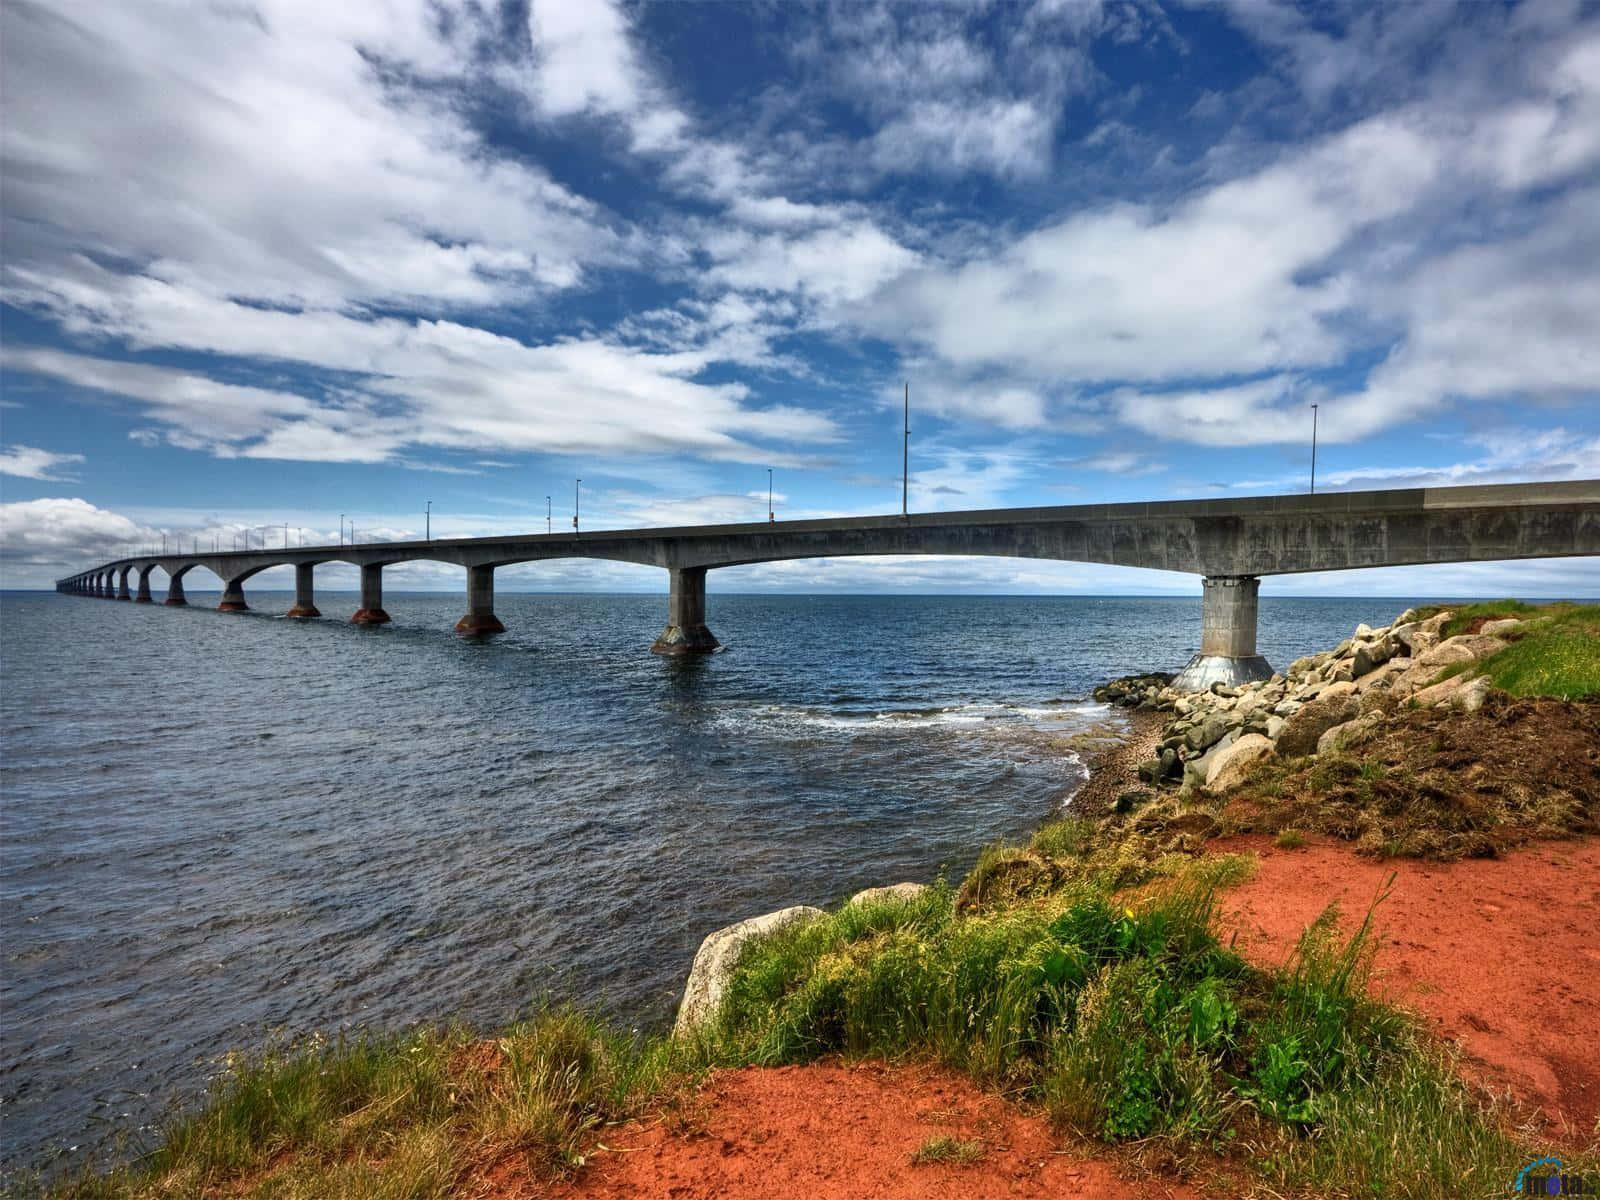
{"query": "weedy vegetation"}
[(946, 1149), (413, 1116)]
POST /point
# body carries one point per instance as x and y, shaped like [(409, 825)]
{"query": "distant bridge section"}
[(1229, 543)]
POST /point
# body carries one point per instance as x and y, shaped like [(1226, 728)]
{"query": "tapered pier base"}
[(303, 605), (686, 631), (1227, 637), (233, 598), (371, 610), (480, 620)]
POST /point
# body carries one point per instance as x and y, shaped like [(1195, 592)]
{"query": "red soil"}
[(830, 1131), (1499, 955)]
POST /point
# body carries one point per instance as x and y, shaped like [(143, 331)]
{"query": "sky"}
[(266, 266)]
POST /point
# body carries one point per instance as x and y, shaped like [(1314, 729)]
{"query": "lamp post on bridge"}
[(548, 514), (771, 519), (1313, 449), (905, 461), (427, 522), (575, 485), (341, 529)]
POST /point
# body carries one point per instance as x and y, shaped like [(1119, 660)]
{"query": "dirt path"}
[(831, 1131), (1501, 956)]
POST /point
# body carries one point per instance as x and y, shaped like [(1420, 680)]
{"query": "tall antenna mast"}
[(905, 460)]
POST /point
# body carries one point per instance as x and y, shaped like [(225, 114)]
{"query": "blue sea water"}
[(225, 828)]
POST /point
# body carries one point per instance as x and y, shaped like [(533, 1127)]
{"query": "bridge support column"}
[(122, 585), (233, 597), (175, 595), (143, 595), (686, 631), (371, 610), (480, 618), (304, 605), (1227, 636)]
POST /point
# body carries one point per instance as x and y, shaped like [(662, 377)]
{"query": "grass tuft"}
[(946, 1149)]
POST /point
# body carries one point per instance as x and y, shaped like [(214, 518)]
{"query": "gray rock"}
[(894, 891), (1300, 734), (1275, 727), (1208, 734), (1344, 734), (1229, 762), (1503, 626), (1472, 695), (1439, 693), (718, 956)]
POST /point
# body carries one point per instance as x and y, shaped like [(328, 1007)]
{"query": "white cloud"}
[(29, 462), (58, 531), (1218, 285), (445, 385), (584, 60), (841, 264), (279, 153)]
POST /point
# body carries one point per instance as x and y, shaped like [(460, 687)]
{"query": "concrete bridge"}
[(1229, 543)]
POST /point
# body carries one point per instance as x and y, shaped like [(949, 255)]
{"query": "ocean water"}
[(221, 829)]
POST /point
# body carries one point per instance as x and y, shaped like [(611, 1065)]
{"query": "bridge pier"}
[(686, 631), (175, 596), (371, 610), (480, 618), (1227, 636), (143, 596), (304, 605), (233, 597), (122, 585)]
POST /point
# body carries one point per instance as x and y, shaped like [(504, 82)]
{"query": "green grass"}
[(1556, 653), (1462, 616), (407, 1116), (946, 1149)]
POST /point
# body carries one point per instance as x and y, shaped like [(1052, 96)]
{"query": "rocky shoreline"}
[(1322, 703), (1183, 741)]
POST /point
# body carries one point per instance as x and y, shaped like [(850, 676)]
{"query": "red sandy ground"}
[(1501, 956), (831, 1131)]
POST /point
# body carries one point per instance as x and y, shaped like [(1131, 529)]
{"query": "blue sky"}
[(272, 263)]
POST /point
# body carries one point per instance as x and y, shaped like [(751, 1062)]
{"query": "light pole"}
[(770, 517), (549, 513), (1313, 449), (575, 485), (286, 535), (905, 462), (427, 522), (341, 529)]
